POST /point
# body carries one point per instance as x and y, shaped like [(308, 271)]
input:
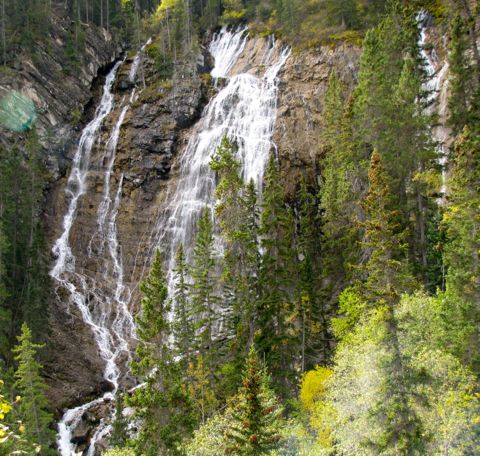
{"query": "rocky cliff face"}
[(300, 106)]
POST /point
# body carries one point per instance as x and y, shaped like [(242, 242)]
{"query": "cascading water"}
[(437, 89), (245, 111), (102, 302)]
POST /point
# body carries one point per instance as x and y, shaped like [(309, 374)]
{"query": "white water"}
[(245, 111), (437, 88), (106, 309), (136, 62)]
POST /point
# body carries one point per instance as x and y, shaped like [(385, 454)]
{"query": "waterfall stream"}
[(102, 304), (437, 89), (245, 111)]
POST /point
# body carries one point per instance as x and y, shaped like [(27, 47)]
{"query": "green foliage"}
[(162, 405), (29, 383), (24, 276), (204, 279), (119, 435), (464, 87), (256, 414), (278, 275), (462, 225)]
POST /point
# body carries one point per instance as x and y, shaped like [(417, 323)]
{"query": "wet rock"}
[(106, 386), (82, 433)]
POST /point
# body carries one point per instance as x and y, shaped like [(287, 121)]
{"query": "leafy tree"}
[(313, 400), (33, 406), (204, 402), (256, 413)]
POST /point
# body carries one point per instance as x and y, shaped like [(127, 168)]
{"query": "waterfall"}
[(437, 98), (103, 302), (136, 62), (245, 111)]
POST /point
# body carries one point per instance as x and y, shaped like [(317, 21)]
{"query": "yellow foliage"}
[(313, 391), (313, 387)]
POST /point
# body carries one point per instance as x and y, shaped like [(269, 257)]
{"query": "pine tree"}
[(119, 435), (236, 217), (311, 314), (256, 416), (278, 276), (162, 405), (31, 387), (344, 176), (464, 101), (183, 326), (462, 225), (204, 281), (375, 299)]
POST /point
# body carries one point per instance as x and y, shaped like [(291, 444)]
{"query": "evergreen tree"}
[(344, 176), (256, 416), (342, 12), (204, 282), (119, 435), (462, 225), (162, 405), (464, 82), (372, 303), (236, 217), (278, 276), (311, 313), (183, 326), (29, 383)]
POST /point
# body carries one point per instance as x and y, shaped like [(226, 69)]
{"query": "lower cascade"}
[(244, 110)]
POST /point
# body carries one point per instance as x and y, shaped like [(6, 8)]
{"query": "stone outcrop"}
[(300, 107)]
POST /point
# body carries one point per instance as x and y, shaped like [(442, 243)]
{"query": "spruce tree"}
[(311, 313), (33, 407), (256, 416), (462, 225), (236, 217), (204, 281), (183, 325), (464, 82), (375, 299), (119, 435), (344, 175), (278, 276), (162, 404)]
